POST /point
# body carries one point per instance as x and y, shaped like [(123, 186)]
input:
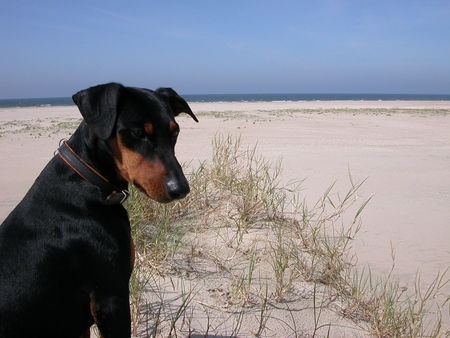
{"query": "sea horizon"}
[(267, 97)]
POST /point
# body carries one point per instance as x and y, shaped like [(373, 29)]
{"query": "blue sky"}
[(55, 48)]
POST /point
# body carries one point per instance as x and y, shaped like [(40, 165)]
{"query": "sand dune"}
[(402, 147)]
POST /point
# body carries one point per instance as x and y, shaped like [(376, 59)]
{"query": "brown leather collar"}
[(114, 194)]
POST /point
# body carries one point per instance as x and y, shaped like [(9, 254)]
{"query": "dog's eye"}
[(138, 133)]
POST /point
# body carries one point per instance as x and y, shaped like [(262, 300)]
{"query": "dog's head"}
[(139, 127)]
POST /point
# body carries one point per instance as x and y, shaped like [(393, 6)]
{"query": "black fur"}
[(64, 247)]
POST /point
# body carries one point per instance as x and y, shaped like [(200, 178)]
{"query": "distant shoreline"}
[(219, 98)]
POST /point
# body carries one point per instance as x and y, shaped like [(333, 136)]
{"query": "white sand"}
[(405, 155)]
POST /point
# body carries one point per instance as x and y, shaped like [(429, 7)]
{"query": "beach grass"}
[(241, 246)]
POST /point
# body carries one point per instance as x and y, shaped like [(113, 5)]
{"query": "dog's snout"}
[(177, 189)]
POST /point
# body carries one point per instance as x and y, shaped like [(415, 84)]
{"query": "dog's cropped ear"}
[(177, 103), (98, 105)]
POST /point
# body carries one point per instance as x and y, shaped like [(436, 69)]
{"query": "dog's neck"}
[(96, 152)]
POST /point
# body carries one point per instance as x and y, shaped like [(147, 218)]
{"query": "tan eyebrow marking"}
[(173, 126), (148, 127)]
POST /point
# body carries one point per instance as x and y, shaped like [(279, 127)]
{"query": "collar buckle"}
[(118, 197)]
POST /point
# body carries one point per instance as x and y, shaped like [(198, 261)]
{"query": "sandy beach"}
[(401, 147)]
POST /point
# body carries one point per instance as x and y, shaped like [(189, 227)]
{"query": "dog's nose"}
[(176, 189)]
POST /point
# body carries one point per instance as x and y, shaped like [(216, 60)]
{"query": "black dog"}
[(66, 253)]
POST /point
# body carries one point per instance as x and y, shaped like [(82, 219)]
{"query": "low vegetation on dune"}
[(245, 255)]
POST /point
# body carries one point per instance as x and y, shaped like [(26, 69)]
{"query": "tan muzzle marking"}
[(145, 174)]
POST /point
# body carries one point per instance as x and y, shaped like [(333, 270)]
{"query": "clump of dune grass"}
[(323, 234), (248, 182), (389, 309), (238, 195)]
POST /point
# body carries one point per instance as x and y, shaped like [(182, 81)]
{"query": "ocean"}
[(67, 101)]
